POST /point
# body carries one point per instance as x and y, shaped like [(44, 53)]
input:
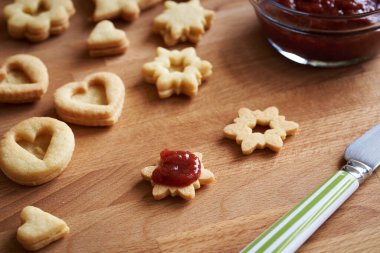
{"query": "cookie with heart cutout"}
[(178, 173), (38, 19), (39, 228), (106, 40), (36, 150), (23, 78), (129, 10), (96, 101)]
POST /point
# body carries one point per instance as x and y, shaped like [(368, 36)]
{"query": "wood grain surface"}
[(110, 209)]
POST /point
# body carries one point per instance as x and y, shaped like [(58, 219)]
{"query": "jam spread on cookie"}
[(332, 7), (177, 168)]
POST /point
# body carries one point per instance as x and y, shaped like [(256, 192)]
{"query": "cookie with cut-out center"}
[(177, 72), (181, 22), (242, 130), (36, 20), (96, 101), (39, 228), (129, 10), (23, 78), (36, 150), (106, 40), (178, 173)]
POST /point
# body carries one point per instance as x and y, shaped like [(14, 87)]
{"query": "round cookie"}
[(36, 150)]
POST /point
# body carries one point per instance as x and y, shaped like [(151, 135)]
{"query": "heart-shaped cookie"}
[(36, 150), (96, 101), (39, 228), (23, 78), (106, 40)]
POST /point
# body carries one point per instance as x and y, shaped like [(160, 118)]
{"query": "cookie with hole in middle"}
[(106, 40), (36, 150), (242, 130), (36, 20), (96, 101), (23, 78)]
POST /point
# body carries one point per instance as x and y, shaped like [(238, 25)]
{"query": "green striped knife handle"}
[(295, 227)]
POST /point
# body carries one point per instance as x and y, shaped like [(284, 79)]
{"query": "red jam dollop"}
[(332, 7), (177, 168)]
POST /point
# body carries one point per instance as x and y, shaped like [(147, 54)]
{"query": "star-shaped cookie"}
[(241, 129), (176, 72), (129, 10), (187, 192), (183, 22)]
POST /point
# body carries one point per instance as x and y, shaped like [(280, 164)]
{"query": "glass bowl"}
[(319, 40)]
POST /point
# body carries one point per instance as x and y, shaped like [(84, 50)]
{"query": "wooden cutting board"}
[(110, 209)]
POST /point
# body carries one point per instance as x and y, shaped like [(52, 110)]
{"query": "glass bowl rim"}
[(315, 15)]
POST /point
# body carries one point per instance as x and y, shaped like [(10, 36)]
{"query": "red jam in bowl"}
[(177, 168), (331, 7), (324, 33)]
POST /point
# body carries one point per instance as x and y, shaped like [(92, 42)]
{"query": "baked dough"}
[(96, 101), (23, 78), (39, 228), (176, 72), (36, 20), (36, 150), (241, 129), (187, 192)]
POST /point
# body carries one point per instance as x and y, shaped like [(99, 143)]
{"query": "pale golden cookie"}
[(129, 10), (36, 150), (176, 72), (188, 192), (183, 22), (241, 129), (36, 20), (106, 40), (23, 78), (39, 228), (96, 101)]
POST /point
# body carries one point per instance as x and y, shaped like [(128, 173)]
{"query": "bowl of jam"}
[(322, 33)]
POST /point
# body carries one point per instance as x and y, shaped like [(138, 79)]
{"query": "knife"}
[(295, 227)]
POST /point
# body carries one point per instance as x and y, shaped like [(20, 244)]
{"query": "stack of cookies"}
[(106, 40), (96, 101), (37, 20)]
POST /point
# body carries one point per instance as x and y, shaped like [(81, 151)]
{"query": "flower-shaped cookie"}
[(187, 192), (39, 228), (96, 101), (37, 19), (241, 129), (23, 78), (129, 10), (183, 22), (177, 72), (36, 150)]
